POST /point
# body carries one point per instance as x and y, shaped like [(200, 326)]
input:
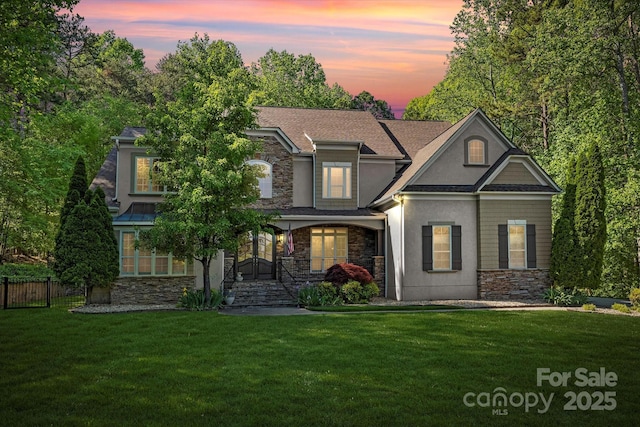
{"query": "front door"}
[(255, 256)]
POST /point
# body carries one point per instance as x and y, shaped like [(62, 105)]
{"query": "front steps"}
[(261, 293)]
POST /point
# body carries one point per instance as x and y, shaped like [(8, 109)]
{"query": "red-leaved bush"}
[(339, 274)]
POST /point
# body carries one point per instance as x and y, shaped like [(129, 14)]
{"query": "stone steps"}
[(262, 294)]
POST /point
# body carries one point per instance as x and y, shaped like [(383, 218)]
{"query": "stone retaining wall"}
[(513, 284), (150, 290)]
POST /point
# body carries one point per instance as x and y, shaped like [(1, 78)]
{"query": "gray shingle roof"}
[(413, 135), (106, 178), (300, 124)]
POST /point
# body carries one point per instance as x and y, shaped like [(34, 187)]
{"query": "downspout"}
[(401, 287)]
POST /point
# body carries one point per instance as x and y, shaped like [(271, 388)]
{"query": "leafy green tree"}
[(590, 222), (287, 80), (87, 254), (200, 138), (366, 102)]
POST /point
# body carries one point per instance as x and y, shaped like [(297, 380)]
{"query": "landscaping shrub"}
[(351, 292), (322, 294), (339, 274), (25, 270), (194, 299), (564, 297), (634, 297), (621, 308), (589, 307)]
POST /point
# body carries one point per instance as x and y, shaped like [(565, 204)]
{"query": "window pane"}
[(325, 183), (328, 246), (441, 248), (476, 152), (178, 266), (517, 246), (347, 183), (128, 252), (162, 265), (154, 178), (144, 265), (142, 174)]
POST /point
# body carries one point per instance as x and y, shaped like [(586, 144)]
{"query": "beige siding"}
[(350, 156), (375, 176), (303, 182), (491, 213), (515, 173)]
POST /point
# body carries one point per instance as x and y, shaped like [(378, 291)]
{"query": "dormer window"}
[(264, 183), (146, 175), (336, 180), (476, 152)]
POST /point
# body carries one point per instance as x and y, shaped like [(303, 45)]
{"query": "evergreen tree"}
[(87, 256), (590, 222), (77, 188), (565, 270)]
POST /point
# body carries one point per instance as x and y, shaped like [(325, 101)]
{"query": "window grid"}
[(146, 169), (517, 244), (328, 247), (476, 152), (441, 247), (145, 262), (336, 181)]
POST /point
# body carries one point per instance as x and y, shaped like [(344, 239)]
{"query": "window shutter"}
[(503, 246), (456, 247), (531, 246), (427, 247)]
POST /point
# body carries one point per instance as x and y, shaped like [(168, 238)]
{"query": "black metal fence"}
[(38, 293)]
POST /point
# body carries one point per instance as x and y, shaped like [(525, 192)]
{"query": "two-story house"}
[(431, 210)]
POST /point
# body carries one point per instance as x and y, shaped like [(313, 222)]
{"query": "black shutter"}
[(427, 247), (456, 247), (531, 246), (503, 246)]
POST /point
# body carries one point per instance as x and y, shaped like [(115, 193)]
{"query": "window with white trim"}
[(146, 172), (265, 183), (336, 180), (476, 152), (328, 247), (146, 262), (441, 247), (517, 230)]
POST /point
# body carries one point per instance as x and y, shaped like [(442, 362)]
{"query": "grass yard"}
[(374, 369)]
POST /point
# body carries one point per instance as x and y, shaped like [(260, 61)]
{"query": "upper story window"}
[(336, 180), (476, 152), (265, 184), (146, 175)]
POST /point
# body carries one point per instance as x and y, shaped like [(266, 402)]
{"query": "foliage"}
[(634, 297), (565, 251), (589, 307), (564, 296), (621, 308), (366, 102), (339, 274), (194, 299), (200, 138), (590, 222), (25, 270), (322, 294), (87, 251), (286, 80), (353, 292)]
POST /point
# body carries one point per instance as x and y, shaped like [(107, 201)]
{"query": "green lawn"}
[(378, 369)]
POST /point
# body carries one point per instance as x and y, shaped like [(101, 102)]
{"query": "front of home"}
[(432, 210)]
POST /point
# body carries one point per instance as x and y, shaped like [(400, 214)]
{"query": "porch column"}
[(287, 269)]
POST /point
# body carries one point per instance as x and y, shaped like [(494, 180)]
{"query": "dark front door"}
[(255, 256)]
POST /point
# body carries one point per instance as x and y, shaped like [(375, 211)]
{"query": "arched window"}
[(476, 152), (264, 183)]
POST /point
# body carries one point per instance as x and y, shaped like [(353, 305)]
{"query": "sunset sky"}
[(394, 49)]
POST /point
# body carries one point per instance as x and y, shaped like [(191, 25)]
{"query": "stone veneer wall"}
[(513, 284), (150, 289), (281, 174)]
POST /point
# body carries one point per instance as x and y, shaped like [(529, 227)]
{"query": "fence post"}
[(6, 291), (49, 292)]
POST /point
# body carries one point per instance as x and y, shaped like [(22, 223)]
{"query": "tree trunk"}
[(206, 279)]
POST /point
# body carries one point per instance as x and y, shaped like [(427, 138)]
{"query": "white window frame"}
[(265, 184), (471, 160), (136, 259), (434, 251), (329, 191), (149, 189), (520, 223), (328, 259)]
